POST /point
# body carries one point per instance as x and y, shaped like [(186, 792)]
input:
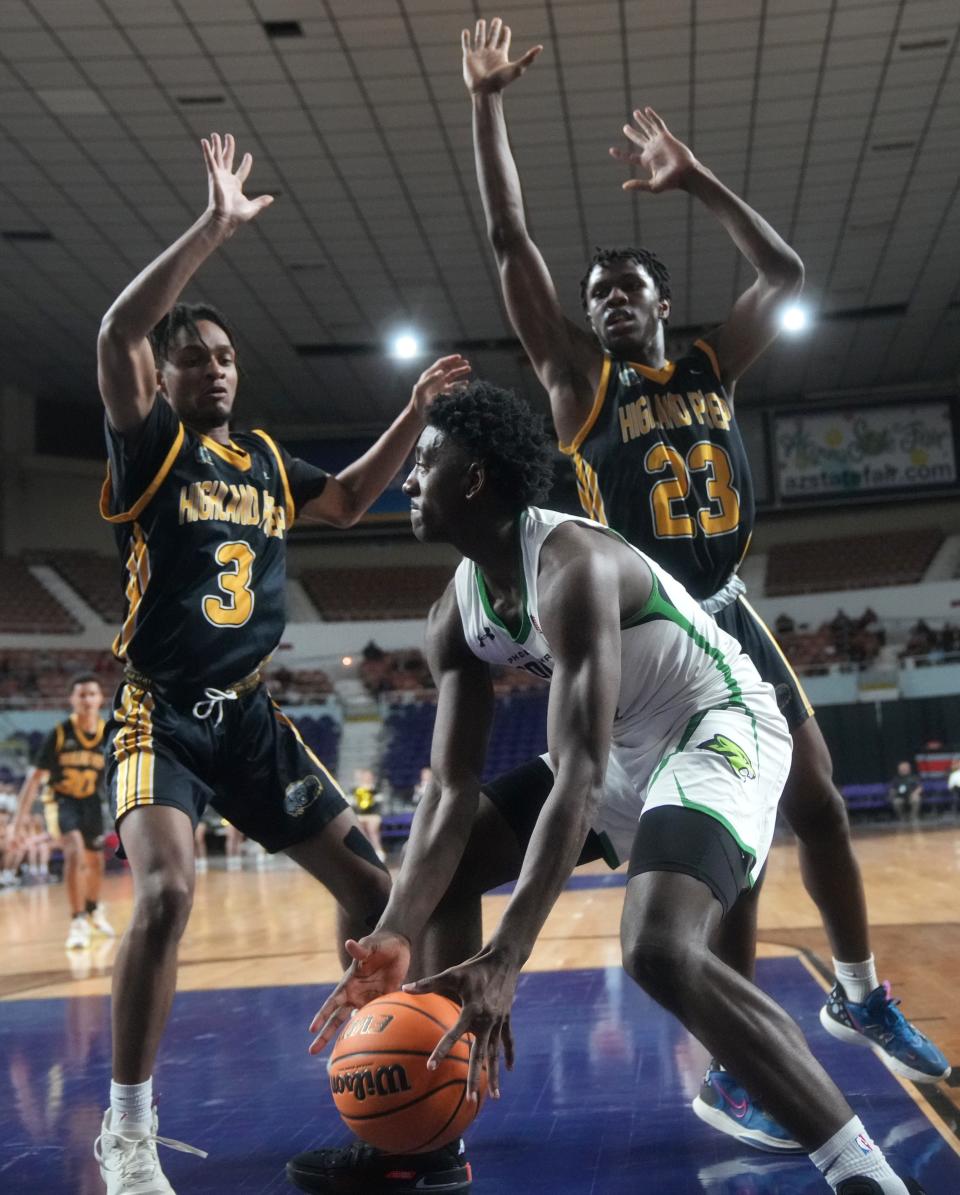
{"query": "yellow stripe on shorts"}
[(284, 720), (133, 750)]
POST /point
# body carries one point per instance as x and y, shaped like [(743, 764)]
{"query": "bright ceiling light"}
[(405, 346), (794, 318)]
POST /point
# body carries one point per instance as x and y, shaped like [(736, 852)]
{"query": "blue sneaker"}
[(724, 1105), (880, 1024)]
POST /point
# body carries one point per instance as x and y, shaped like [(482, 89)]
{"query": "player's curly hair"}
[(643, 257), (502, 432), (186, 315)]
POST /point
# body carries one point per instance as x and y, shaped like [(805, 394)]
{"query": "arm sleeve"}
[(46, 757), (136, 460), (306, 481)]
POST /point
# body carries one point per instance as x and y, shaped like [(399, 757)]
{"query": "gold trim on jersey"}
[(88, 744), (588, 489), (133, 750), (138, 577), (285, 721), (779, 650), (134, 512), (661, 376), (710, 352), (58, 744), (288, 497), (232, 453), (598, 400)]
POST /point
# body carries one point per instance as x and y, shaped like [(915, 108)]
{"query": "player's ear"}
[(663, 309), (161, 383), (475, 477)]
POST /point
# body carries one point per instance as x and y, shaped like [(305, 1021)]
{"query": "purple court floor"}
[(598, 1103)]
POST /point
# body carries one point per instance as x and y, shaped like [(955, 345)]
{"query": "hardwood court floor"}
[(598, 1104), (273, 927)]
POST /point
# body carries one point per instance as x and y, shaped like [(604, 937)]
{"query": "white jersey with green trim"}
[(695, 725), (675, 660)]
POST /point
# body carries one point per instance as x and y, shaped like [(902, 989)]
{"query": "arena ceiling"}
[(838, 119)]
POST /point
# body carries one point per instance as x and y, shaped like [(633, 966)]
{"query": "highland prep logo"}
[(733, 753)]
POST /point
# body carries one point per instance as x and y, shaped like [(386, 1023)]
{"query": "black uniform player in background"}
[(70, 764), (659, 458), (202, 518)]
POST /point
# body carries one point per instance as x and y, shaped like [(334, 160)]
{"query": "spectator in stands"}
[(369, 804), (953, 785), (906, 789), (841, 628), (420, 788), (921, 639), (784, 625)]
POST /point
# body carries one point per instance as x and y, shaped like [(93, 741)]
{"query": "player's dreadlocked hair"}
[(503, 433), (643, 257), (185, 315)]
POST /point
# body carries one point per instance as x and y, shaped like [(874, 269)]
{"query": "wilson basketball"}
[(379, 1077)]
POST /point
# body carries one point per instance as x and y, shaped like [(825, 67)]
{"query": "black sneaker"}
[(359, 1169), (869, 1186)]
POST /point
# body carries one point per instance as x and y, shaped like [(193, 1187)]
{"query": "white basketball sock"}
[(850, 1153), (131, 1104), (858, 979)]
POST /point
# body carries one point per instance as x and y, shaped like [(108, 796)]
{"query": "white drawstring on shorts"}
[(213, 700)]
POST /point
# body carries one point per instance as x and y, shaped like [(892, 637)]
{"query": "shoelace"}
[(894, 1019), (136, 1167), (213, 700)]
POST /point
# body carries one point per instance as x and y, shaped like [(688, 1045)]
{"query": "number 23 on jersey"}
[(720, 514)]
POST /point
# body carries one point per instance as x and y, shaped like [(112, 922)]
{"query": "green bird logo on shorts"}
[(733, 753)]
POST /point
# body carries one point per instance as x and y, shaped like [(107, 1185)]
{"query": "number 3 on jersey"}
[(235, 583), (722, 512)]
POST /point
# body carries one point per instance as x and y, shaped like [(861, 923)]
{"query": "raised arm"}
[(567, 360), (350, 494), (441, 827), (754, 320), (125, 364)]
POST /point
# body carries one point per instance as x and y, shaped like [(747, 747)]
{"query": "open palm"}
[(226, 199), (668, 161), (486, 57)]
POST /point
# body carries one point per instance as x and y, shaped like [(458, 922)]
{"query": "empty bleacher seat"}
[(854, 562), (26, 606), (355, 593)]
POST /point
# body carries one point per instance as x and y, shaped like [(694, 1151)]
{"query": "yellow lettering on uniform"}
[(266, 518), (626, 423), (645, 420), (678, 409), (663, 411), (281, 522), (216, 498), (250, 507), (698, 404), (188, 506), (205, 503), (230, 507), (719, 412)]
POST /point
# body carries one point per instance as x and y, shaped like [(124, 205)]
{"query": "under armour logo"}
[(487, 634)]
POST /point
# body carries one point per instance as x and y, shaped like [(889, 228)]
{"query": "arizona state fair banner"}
[(862, 450)]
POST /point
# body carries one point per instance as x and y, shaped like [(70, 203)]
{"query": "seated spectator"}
[(953, 785), (906, 789), (784, 625), (368, 804)]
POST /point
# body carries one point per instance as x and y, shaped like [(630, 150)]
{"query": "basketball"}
[(379, 1077)]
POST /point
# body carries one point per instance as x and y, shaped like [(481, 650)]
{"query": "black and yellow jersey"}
[(660, 460), (73, 759), (202, 530)]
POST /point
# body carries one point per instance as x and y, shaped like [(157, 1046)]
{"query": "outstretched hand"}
[(380, 964), (442, 377), (226, 200), (484, 986), (669, 161), (486, 58)]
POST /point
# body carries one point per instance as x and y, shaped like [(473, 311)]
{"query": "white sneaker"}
[(128, 1160), (80, 934), (98, 919)]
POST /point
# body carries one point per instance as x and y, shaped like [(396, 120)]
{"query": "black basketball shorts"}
[(740, 620), (251, 764), (84, 814)]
